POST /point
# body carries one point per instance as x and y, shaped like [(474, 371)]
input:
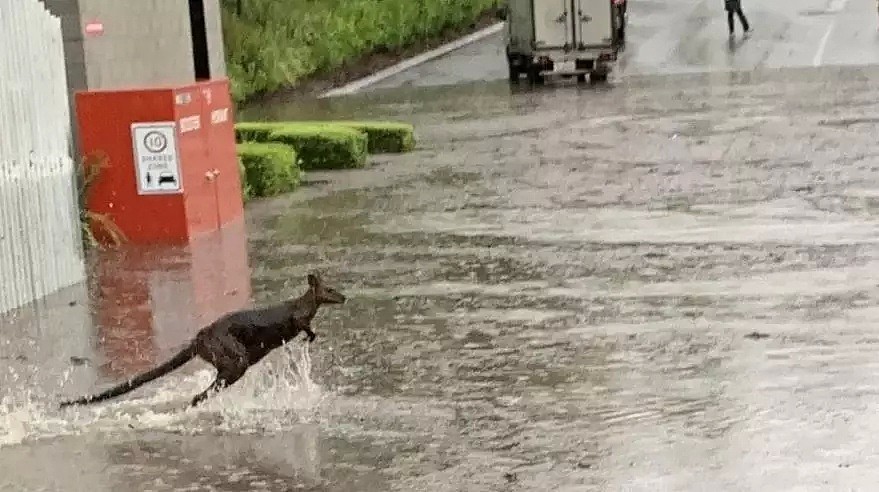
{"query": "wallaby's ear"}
[(313, 280)]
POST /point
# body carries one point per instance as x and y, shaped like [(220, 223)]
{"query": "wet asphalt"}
[(687, 36), (663, 283)]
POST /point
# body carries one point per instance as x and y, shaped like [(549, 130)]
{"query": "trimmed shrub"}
[(257, 131), (324, 146), (383, 136), (319, 145), (273, 44), (246, 189), (269, 168)]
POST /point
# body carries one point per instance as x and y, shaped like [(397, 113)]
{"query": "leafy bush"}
[(272, 44), (94, 225), (319, 145), (324, 146), (255, 131), (269, 169), (383, 136), (246, 189)]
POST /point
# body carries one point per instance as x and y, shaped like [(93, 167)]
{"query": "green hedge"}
[(246, 189), (268, 169), (382, 136), (318, 146), (272, 154), (255, 131), (275, 43)]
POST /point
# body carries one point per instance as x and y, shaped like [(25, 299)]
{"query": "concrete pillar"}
[(144, 43)]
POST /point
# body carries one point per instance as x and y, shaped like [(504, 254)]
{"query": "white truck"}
[(568, 37)]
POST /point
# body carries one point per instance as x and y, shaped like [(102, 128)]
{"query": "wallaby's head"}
[(323, 294)]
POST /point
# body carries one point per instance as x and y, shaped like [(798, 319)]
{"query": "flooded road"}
[(668, 283), (573, 277)]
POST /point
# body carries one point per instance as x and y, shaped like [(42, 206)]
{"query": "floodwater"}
[(665, 283), (553, 292)]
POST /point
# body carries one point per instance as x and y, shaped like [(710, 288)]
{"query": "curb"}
[(406, 64)]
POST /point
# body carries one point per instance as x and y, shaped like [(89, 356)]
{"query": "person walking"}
[(733, 8)]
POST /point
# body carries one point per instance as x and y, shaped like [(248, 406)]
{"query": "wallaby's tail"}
[(178, 360)]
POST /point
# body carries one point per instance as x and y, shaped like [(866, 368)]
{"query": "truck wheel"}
[(513, 72), (515, 66), (534, 75), (598, 76)]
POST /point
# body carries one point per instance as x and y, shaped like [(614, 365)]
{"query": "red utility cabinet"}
[(173, 169)]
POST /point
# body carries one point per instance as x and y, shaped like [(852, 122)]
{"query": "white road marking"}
[(404, 65), (822, 46), (835, 6)]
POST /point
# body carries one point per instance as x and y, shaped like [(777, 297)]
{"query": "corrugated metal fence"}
[(40, 250)]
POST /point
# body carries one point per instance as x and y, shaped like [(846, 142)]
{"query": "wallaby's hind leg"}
[(311, 335), (224, 379), (229, 356)]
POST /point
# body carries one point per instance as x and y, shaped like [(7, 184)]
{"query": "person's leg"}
[(743, 19), (731, 21)]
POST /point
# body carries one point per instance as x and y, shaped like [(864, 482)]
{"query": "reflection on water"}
[(140, 305), (149, 301)]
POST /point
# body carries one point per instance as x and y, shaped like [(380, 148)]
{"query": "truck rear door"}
[(554, 23), (593, 24)]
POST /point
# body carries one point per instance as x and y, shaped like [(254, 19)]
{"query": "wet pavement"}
[(665, 283), (687, 36)]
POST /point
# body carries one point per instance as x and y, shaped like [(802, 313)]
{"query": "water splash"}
[(274, 395), (23, 405)]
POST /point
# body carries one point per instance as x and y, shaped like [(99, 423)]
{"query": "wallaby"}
[(237, 341)]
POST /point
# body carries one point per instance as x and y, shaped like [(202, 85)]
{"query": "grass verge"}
[(275, 44)]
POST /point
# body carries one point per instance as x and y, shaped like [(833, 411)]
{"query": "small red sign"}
[(94, 28)]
